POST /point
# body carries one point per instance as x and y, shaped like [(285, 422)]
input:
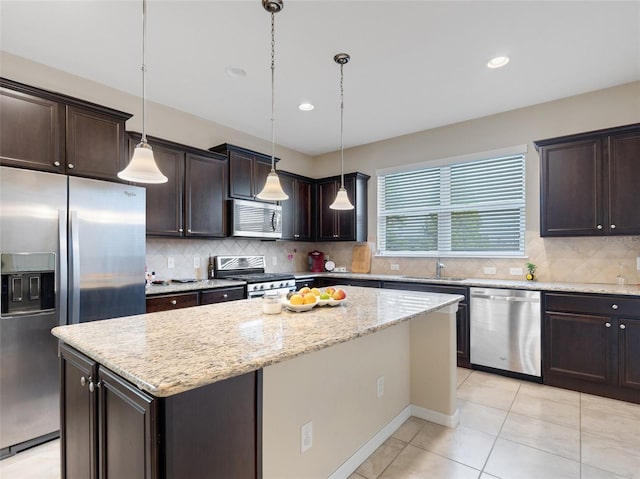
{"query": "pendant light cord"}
[(144, 70), (273, 94), (341, 126)]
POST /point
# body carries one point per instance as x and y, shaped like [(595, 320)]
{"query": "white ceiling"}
[(415, 64)]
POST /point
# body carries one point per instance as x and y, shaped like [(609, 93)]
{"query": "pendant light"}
[(143, 168), (342, 199), (272, 190)]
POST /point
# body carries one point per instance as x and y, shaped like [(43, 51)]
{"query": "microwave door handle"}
[(74, 260), (274, 221)]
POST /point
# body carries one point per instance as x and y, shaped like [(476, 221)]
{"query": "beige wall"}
[(335, 388)]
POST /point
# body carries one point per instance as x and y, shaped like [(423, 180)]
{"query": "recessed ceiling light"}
[(498, 62), (235, 72), (306, 106)]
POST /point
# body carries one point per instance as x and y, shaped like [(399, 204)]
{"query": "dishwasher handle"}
[(514, 299)]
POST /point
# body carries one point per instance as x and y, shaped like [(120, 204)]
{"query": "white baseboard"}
[(351, 464), (434, 416)]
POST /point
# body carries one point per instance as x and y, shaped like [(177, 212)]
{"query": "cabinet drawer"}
[(220, 295), (578, 303), (171, 301)]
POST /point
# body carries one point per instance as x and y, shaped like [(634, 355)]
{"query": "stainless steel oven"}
[(251, 269)]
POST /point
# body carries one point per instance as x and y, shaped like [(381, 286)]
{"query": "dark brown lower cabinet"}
[(112, 429), (589, 344)]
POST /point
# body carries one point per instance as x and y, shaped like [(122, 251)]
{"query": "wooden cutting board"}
[(361, 259)]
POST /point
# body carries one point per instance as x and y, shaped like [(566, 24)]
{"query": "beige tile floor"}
[(509, 429), (512, 429)]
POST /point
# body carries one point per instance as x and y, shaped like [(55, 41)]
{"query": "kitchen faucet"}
[(439, 268)]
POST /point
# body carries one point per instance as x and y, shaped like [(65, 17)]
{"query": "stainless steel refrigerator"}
[(72, 250)]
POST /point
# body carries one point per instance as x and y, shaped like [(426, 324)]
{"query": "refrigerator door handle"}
[(61, 297), (74, 263)]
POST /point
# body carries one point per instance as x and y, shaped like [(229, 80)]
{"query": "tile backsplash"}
[(575, 260)]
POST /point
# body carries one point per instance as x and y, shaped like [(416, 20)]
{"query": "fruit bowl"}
[(335, 302), (298, 308), (323, 302)]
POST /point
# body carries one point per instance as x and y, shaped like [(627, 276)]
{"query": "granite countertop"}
[(601, 288), (154, 289), (170, 352)]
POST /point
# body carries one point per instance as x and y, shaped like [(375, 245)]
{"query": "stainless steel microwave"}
[(253, 219)]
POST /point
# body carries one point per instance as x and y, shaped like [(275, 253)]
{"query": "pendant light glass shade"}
[(272, 190), (342, 199), (143, 168)]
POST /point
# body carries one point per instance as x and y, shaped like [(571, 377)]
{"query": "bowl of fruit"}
[(302, 300), (332, 296)]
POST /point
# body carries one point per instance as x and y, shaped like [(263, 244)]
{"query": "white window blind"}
[(475, 207)]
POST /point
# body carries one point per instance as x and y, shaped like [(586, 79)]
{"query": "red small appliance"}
[(316, 261)]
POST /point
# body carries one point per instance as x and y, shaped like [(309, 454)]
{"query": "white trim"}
[(351, 464), (483, 155), (435, 416)]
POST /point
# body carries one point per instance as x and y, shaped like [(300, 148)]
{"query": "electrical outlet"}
[(171, 262), (395, 267), (489, 270), (274, 260), (380, 386), (196, 261), (515, 271), (306, 437), (638, 263)]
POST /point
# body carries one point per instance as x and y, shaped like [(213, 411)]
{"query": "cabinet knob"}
[(225, 295), (614, 306), (607, 325), (174, 302), (613, 227), (189, 230), (296, 236), (83, 381), (71, 166), (56, 163), (622, 326), (599, 227), (180, 230), (92, 387)]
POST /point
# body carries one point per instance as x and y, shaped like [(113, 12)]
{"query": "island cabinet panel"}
[(588, 182), (462, 315), (113, 430), (48, 131), (342, 225), (589, 343), (78, 409), (127, 429), (297, 210)]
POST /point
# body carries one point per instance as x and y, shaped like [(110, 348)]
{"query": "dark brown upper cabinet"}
[(349, 225), (46, 131), (193, 202), (248, 170), (588, 183), (297, 211)]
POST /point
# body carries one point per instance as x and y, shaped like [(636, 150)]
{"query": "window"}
[(472, 208)]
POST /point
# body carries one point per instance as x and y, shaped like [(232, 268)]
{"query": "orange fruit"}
[(296, 300), (309, 298), (315, 291), (304, 291)]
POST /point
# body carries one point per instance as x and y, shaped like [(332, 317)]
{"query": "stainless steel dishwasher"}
[(505, 330)]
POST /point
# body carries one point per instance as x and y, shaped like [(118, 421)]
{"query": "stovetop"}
[(247, 268)]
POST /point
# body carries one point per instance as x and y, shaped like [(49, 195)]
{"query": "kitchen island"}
[(222, 389)]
